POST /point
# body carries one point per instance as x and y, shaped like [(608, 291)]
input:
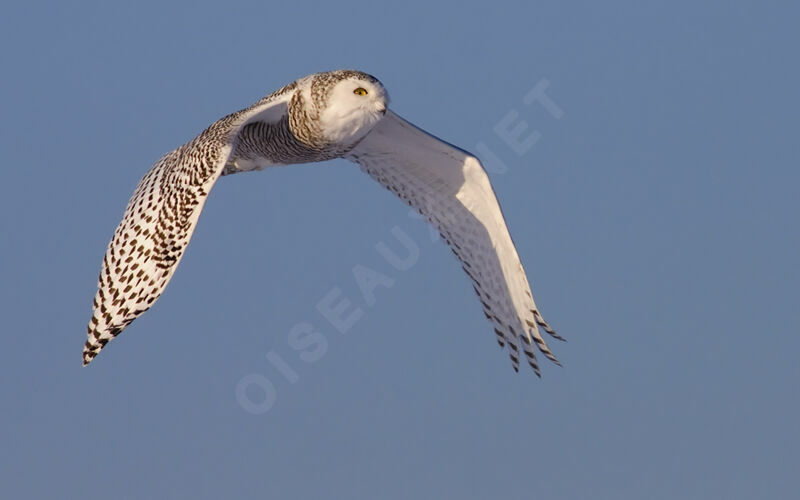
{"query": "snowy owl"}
[(337, 114)]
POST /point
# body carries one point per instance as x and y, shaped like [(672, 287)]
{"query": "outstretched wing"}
[(451, 189), (159, 221)]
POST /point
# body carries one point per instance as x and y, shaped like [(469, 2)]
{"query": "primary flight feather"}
[(337, 114)]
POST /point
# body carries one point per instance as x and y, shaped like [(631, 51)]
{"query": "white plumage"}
[(319, 117)]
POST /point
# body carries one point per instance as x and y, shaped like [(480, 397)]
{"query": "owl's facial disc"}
[(353, 106)]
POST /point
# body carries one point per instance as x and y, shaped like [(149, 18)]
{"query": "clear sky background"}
[(657, 220)]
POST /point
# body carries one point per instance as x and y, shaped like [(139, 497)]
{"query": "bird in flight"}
[(336, 114)]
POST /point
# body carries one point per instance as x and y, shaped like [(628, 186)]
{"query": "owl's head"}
[(349, 104)]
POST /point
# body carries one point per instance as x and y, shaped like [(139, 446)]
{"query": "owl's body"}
[(320, 117)]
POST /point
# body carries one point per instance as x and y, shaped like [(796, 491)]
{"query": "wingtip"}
[(546, 327), (89, 353)]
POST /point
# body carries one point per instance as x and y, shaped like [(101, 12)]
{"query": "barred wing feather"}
[(159, 221)]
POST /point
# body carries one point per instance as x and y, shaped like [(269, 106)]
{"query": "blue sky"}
[(657, 220)]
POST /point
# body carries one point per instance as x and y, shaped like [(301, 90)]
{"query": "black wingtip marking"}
[(541, 322)]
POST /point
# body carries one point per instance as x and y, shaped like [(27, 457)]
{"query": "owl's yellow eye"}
[(360, 91)]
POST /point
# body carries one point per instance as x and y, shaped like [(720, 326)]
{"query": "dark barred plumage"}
[(161, 215)]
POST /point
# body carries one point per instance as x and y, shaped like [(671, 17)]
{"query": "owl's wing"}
[(159, 221), (451, 189)]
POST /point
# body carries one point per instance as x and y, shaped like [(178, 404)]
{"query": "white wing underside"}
[(450, 188)]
